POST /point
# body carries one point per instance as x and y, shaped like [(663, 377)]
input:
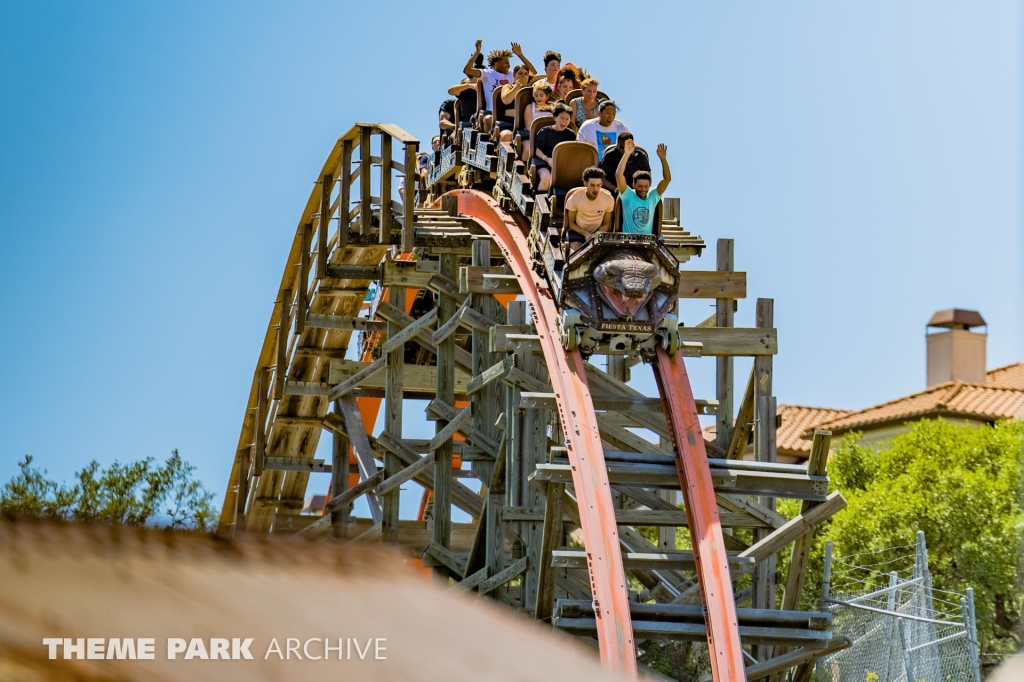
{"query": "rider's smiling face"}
[(642, 187)]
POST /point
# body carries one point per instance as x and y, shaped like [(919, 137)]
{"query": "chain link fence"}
[(905, 631)]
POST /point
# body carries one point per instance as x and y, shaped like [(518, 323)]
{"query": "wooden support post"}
[(445, 393), (339, 480), (245, 458), (260, 430), (763, 593), (514, 478), (724, 365), (301, 304), (486, 398), (551, 538), (280, 375), (361, 447), (816, 465), (365, 210), (409, 203), (385, 188), (393, 393), (326, 185), (744, 422), (344, 192)]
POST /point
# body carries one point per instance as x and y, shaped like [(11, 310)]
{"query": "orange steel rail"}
[(702, 511), (576, 410)]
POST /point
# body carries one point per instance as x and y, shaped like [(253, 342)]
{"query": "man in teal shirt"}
[(639, 201)]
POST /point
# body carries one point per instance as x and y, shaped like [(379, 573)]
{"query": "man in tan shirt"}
[(590, 211)]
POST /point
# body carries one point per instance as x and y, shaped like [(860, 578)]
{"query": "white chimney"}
[(955, 353)]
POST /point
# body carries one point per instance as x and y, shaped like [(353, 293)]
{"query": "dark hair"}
[(607, 103), (478, 63), (552, 56), (560, 108), (642, 175), (497, 55), (593, 172), (625, 136)]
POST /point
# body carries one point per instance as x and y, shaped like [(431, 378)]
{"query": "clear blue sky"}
[(156, 157)]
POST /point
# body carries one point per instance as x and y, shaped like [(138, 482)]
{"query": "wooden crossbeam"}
[(490, 375), (499, 579), (800, 656), (796, 527), (712, 284), (346, 387), (405, 474), (441, 555)]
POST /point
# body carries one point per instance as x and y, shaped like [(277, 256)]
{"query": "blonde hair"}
[(545, 87), (588, 82)]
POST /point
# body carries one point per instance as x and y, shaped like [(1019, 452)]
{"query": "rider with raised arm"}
[(497, 73), (639, 201)]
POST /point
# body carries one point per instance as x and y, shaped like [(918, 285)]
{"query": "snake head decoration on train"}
[(626, 281)]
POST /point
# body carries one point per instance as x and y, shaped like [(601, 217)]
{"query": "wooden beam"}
[(344, 194), (394, 393), (446, 395), (732, 341), (385, 189), (510, 573), (416, 378), (816, 464), (260, 428), (763, 595), (395, 481), (493, 373), (794, 528), (724, 379), (326, 185), (302, 304), (436, 555), (345, 323), (361, 447), (408, 274), (339, 477), (744, 422), (365, 210), (282, 344), (388, 312), (713, 284), (409, 207), (551, 538), (354, 381)]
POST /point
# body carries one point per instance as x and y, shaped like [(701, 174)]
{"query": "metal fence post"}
[(971, 623)]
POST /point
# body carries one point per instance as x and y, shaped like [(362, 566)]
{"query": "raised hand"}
[(662, 150), (629, 147), (517, 50), (479, 45)]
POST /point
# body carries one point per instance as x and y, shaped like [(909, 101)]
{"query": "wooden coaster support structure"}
[(549, 436)]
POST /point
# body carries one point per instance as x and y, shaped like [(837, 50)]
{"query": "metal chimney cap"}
[(955, 318)]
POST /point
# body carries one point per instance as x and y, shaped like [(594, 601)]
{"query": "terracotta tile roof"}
[(1011, 376), (954, 399), (798, 420)]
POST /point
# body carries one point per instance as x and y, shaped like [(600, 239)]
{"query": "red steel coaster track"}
[(590, 473)]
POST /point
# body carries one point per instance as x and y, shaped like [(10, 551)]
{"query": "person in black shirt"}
[(547, 138), (637, 162), (465, 94)]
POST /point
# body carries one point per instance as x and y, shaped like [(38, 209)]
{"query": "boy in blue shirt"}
[(639, 201)]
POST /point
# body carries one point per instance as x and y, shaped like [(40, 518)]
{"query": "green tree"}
[(133, 494), (961, 485)]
